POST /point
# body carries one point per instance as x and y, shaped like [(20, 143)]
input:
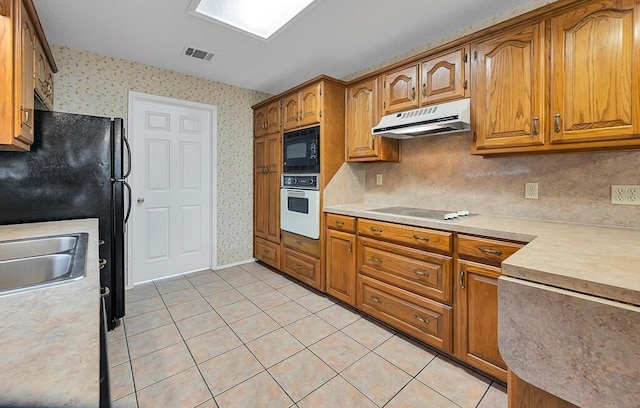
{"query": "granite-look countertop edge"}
[(49, 337), (595, 260)]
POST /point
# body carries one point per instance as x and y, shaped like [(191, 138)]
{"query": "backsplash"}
[(439, 172), (93, 84)]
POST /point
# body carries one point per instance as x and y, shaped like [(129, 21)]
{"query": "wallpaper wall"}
[(93, 84)]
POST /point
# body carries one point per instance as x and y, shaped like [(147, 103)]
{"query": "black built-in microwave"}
[(301, 151)]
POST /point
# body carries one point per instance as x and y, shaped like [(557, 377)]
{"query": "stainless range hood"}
[(450, 117)]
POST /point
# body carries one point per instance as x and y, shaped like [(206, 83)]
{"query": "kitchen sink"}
[(36, 247), (37, 262)]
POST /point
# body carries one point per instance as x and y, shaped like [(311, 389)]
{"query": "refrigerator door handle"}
[(126, 143), (126, 218)]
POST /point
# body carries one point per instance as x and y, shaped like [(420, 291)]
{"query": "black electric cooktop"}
[(425, 213)]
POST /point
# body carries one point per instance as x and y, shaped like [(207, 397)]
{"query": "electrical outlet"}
[(625, 194), (531, 190), (379, 179)]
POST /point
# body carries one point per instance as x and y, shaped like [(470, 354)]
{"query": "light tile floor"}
[(249, 337)]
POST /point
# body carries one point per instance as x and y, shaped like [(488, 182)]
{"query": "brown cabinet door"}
[(477, 327), (310, 105), (259, 122), (595, 76), (341, 265), (444, 77), (26, 61), (362, 115), (400, 91), (274, 161), (509, 89), (273, 117), (290, 111), (261, 188)]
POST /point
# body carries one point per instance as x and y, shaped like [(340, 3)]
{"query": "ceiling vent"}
[(199, 54)]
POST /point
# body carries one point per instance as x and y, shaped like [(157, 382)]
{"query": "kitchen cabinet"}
[(267, 171), (594, 76), (439, 78), (400, 89), (302, 108), (3, 7), (581, 61), (509, 92), (362, 114), (476, 302), (266, 119), (303, 267), (21, 42), (522, 394), (267, 252), (44, 77), (341, 258), (401, 282)]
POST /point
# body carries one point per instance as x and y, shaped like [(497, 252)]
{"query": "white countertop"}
[(50, 337), (597, 260)]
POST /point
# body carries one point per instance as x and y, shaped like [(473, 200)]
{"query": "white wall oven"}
[(300, 205)]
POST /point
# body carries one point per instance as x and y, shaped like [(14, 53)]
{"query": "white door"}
[(171, 179)]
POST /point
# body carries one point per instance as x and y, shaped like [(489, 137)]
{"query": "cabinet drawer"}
[(485, 250), (302, 267), (267, 252), (403, 234), (411, 269), (302, 244), (422, 318), (341, 223)]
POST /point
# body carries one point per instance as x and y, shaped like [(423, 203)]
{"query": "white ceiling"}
[(333, 37)]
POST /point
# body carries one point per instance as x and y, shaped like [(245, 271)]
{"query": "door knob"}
[(140, 200)]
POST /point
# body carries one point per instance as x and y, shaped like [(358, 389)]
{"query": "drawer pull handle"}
[(266, 251), (377, 260), (102, 263), (490, 251), (339, 223), (375, 299), (420, 319), (298, 267), (376, 230), (462, 278), (419, 238), (298, 242), (420, 273)]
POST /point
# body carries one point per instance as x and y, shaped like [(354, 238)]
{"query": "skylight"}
[(258, 17)]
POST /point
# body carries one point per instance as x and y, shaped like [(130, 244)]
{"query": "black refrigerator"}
[(75, 169)]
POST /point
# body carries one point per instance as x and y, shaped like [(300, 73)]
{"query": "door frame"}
[(213, 165)]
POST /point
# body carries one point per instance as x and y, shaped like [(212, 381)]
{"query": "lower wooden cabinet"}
[(477, 324), (302, 267), (422, 318), (341, 265), (267, 252), (523, 394)]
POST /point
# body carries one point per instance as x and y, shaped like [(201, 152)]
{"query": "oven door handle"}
[(296, 193)]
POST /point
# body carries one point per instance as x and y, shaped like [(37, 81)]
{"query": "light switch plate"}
[(379, 179)]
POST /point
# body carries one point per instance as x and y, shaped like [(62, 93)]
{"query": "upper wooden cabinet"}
[(302, 108), (509, 93), (400, 89), (439, 78), (362, 114), (566, 83), (26, 71), (266, 120), (444, 77), (595, 77)]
